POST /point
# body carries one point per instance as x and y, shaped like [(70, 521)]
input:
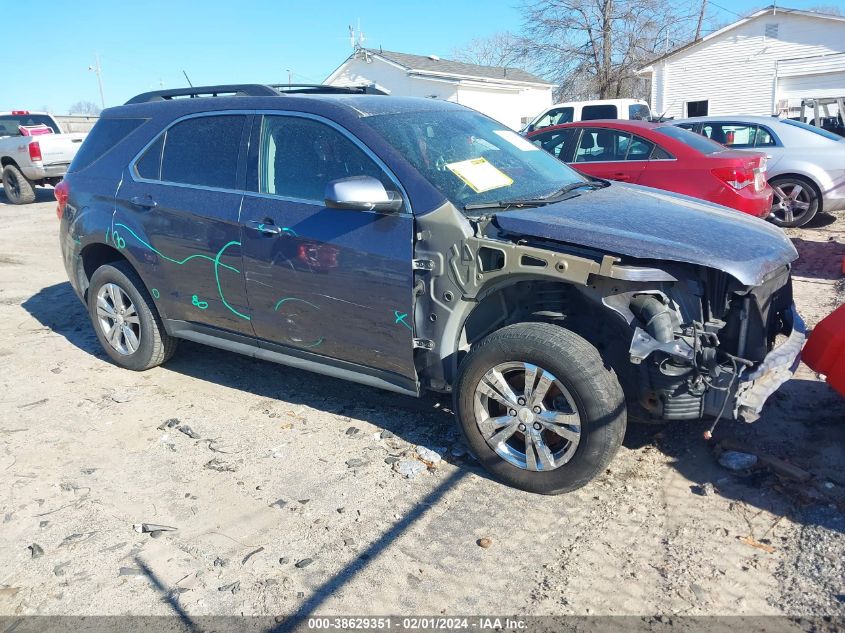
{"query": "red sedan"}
[(662, 156)]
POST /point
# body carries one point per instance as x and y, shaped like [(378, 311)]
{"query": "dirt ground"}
[(285, 503)]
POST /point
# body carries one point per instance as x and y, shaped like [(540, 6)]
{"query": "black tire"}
[(784, 212), (17, 187), (594, 389), (155, 346)]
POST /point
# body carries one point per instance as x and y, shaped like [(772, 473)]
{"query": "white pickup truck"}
[(33, 151)]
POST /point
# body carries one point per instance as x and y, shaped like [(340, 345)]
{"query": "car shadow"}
[(821, 220), (790, 427), (818, 260), (42, 194)]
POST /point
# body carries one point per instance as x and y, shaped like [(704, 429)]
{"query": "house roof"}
[(770, 10), (436, 66)]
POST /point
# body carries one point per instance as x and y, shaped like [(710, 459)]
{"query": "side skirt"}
[(291, 357)]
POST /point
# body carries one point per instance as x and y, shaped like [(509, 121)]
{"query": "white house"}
[(509, 95), (764, 64)]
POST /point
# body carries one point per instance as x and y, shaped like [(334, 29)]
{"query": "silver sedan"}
[(806, 166)]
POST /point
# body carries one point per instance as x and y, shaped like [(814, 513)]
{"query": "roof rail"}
[(230, 90), (253, 90), (369, 89)]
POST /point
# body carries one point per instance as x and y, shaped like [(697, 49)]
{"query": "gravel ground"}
[(293, 493)]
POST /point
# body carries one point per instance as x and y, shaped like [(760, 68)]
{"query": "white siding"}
[(393, 78), (736, 71), (507, 103)]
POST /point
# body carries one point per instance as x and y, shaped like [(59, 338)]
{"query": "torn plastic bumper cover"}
[(756, 385)]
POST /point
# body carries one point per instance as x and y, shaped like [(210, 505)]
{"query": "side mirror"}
[(361, 193)]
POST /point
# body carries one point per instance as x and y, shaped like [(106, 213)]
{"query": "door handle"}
[(144, 202), (267, 227), (621, 177)]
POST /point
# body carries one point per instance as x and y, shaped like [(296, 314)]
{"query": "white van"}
[(590, 111)]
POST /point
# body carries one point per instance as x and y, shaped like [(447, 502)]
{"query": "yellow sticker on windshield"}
[(480, 175)]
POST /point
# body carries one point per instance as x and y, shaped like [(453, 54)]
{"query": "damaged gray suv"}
[(413, 245)]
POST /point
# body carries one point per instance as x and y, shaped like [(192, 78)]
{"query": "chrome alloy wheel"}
[(791, 201), (527, 416), (118, 319)]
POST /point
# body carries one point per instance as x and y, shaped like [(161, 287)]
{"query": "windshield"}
[(693, 140), (812, 128), (9, 123), (471, 159)]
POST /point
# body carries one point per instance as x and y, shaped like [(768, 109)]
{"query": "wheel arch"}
[(7, 160), (809, 177), (92, 257)]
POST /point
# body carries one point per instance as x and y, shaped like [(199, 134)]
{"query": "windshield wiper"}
[(554, 196)]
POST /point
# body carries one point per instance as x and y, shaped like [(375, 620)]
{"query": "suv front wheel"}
[(125, 318), (539, 408)]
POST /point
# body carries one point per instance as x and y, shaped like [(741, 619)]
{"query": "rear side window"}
[(593, 112), (691, 139), (202, 151), (105, 134)]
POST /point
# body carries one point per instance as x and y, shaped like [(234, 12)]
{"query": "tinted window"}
[(9, 123), (299, 157), (556, 116), (599, 145), (593, 112), (661, 154), (558, 144), (691, 139), (105, 134), (149, 165), (639, 149), (203, 151), (813, 129), (639, 112), (764, 138)]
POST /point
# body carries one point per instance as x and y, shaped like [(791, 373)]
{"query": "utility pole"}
[(700, 20), (290, 77), (97, 70)]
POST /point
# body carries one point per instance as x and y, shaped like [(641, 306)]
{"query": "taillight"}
[(62, 191), (736, 177), (35, 150)]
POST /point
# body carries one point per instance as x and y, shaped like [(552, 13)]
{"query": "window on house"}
[(697, 108)]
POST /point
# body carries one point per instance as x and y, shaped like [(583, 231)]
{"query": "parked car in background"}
[(414, 244), (662, 156), (631, 109), (33, 151), (806, 167)]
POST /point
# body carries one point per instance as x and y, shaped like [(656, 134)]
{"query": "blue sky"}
[(151, 41)]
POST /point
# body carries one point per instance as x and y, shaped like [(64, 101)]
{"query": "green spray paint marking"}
[(118, 240), (170, 259), (155, 293), (281, 302), (202, 305), (217, 265), (400, 318)]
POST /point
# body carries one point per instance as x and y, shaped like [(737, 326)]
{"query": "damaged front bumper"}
[(756, 385)]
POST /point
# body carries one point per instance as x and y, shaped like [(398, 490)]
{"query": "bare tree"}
[(500, 49), (593, 48), (84, 107)]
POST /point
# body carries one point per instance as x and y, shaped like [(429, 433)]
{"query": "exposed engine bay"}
[(687, 341)]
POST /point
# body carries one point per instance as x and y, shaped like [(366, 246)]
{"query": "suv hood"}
[(651, 224)]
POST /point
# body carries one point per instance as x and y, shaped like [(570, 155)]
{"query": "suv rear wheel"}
[(18, 189), (126, 320), (539, 409)]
